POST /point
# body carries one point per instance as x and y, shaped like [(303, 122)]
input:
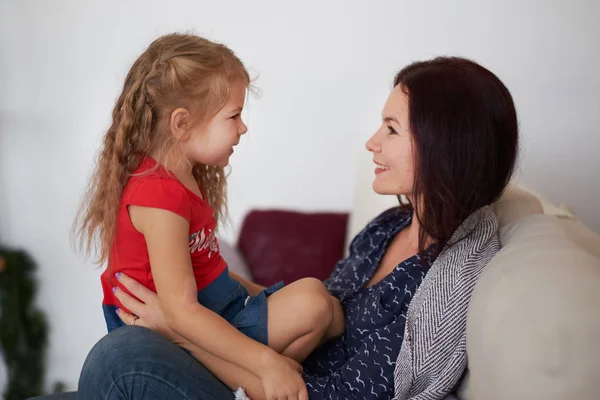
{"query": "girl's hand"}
[(281, 378), (147, 309)]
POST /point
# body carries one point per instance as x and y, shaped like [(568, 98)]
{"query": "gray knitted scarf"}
[(433, 355)]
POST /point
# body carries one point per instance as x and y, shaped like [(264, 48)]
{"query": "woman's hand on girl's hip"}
[(146, 311)]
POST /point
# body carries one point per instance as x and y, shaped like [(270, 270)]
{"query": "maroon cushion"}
[(286, 245)]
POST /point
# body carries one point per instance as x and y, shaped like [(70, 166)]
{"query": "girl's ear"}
[(179, 123)]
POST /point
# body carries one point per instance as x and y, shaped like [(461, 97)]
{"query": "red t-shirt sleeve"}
[(163, 193)]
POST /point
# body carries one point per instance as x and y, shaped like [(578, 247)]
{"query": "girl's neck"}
[(182, 170)]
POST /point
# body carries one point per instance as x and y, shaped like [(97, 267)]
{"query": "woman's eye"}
[(235, 116), (392, 130)]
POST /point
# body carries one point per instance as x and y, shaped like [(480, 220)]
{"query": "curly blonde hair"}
[(176, 71)]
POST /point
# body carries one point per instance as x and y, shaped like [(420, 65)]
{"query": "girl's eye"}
[(235, 116), (392, 130)]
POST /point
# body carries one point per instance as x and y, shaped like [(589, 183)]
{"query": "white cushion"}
[(533, 327), (560, 210), (514, 204), (583, 236)]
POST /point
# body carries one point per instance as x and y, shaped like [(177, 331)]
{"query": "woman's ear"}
[(179, 123)]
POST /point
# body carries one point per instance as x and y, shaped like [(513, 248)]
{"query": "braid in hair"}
[(126, 142)]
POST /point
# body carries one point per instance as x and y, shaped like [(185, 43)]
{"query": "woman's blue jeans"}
[(134, 363)]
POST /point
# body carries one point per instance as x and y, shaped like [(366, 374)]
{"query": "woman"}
[(447, 143)]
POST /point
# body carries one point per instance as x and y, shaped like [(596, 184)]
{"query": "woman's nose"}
[(373, 145)]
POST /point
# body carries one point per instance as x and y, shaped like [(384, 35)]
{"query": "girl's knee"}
[(310, 286), (314, 301)]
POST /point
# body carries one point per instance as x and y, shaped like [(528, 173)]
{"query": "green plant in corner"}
[(23, 328)]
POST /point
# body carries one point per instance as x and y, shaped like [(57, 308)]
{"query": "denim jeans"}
[(228, 298), (133, 362)]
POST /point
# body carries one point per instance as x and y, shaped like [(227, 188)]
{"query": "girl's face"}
[(392, 148), (213, 144)]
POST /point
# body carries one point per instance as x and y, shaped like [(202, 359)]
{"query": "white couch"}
[(534, 318)]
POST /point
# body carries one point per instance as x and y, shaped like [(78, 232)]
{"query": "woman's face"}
[(392, 148)]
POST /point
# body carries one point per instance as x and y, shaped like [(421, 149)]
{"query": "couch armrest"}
[(533, 328)]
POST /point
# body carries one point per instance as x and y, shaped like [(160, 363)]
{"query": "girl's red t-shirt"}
[(153, 186)]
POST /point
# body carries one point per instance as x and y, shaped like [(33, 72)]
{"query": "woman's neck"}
[(414, 230)]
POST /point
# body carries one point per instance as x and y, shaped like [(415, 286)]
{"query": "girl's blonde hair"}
[(176, 71)]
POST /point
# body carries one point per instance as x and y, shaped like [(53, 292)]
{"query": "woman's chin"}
[(381, 189)]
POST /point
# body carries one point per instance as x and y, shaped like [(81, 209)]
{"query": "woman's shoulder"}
[(394, 215), (383, 223)]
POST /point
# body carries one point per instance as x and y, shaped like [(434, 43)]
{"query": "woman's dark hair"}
[(465, 135)]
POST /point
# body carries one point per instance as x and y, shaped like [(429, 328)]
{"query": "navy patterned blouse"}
[(360, 364)]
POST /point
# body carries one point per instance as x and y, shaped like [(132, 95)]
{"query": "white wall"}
[(325, 70)]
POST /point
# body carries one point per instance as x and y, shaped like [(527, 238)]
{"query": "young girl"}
[(154, 202)]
